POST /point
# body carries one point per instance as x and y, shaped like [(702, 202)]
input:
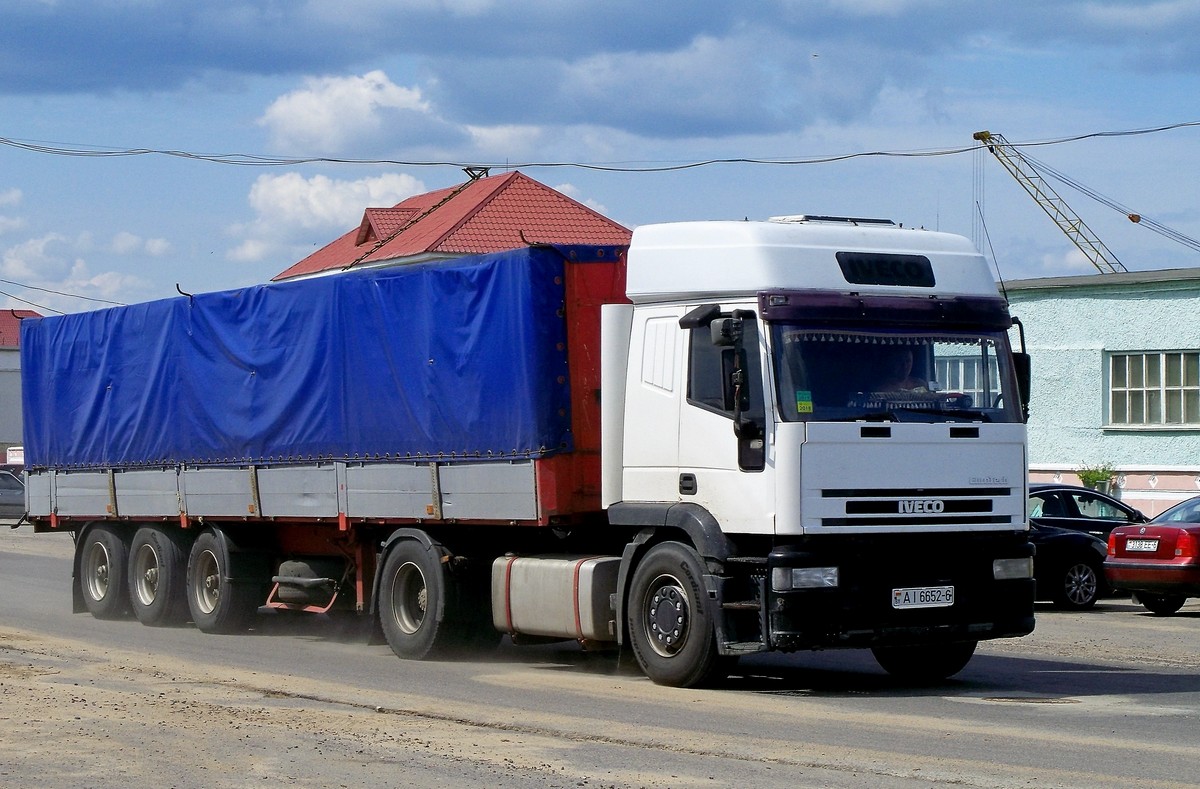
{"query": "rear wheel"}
[(1161, 604), (216, 603), (670, 625), (103, 554), (925, 663), (157, 577), (412, 596), (1079, 586)]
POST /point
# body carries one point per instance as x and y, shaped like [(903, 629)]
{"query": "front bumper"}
[(859, 611)]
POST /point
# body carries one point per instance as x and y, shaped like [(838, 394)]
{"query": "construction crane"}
[(1055, 207)]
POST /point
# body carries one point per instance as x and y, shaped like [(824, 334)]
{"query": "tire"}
[(217, 604), (102, 556), (925, 663), (157, 577), (1079, 586), (1161, 604), (412, 595), (671, 627)]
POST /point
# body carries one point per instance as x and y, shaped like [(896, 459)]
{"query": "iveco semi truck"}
[(727, 438)]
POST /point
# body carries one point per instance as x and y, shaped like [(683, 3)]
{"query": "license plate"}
[(923, 597), (1149, 546)]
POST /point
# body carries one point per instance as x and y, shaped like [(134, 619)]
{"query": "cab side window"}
[(710, 367)]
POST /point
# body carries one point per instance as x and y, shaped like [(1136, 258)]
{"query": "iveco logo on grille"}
[(909, 506)]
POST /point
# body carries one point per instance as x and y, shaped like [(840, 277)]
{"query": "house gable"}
[(483, 215)]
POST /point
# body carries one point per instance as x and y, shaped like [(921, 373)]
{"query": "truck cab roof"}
[(719, 259)]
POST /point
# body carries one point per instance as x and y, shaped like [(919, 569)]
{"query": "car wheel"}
[(1079, 586), (1161, 604)]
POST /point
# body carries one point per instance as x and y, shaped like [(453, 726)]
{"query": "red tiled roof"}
[(10, 326), (483, 215)]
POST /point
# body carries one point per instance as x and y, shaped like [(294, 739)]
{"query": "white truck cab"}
[(831, 411)]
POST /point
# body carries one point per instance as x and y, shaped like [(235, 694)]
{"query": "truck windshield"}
[(828, 374)]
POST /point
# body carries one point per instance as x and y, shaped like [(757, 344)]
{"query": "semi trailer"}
[(724, 439)]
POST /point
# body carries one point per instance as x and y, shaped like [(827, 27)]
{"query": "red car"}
[(1158, 561)]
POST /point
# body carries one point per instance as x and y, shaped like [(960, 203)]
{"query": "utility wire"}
[(33, 304), (60, 293), (1134, 216), (258, 160)]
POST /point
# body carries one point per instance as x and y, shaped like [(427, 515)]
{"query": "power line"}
[(31, 303), (61, 293), (259, 160)]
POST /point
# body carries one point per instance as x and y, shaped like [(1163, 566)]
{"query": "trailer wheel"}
[(216, 603), (925, 663), (412, 594), (157, 577), (670, 625), (102, 557)]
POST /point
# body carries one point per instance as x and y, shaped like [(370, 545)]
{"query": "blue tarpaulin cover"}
[(465, 358)]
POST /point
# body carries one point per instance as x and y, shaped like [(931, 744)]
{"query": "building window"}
[(1156, 388), (962, 374)]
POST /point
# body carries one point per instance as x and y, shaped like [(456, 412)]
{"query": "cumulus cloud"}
[(10, 197), (126, 243), (330, 114), (46, 258), (293, 212), (9, 224), (51, 268)]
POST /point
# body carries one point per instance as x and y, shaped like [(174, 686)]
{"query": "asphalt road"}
[(1109, 697)]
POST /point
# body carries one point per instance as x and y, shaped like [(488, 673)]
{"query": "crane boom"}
[(1055, 207)]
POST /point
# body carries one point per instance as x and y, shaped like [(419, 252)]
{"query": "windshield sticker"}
[(804, 401)]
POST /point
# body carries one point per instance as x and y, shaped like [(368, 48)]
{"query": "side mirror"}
[(1023, 368), (726, 332)]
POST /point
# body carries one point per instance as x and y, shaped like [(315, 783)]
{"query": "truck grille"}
[(882, 507)]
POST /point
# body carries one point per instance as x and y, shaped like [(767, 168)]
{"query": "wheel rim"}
[(146, 571), (96, 571), (410, 598), (1081, 584), (207, 591), (666, 615)]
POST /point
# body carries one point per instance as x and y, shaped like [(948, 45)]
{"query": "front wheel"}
[(925, 663), (1079, 586), (103, 554), (671, 628), (1161, 604)]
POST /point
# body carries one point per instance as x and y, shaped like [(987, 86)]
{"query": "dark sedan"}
[(12, 495), (1158, 561), (1079, 509), (1068, 566)]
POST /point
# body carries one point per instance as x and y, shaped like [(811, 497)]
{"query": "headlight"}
[(784, 579), (1008, 569)]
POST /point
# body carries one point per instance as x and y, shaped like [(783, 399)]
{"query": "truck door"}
[(728, 472), (653, 390)]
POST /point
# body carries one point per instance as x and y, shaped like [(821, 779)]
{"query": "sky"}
[(850, 107)]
